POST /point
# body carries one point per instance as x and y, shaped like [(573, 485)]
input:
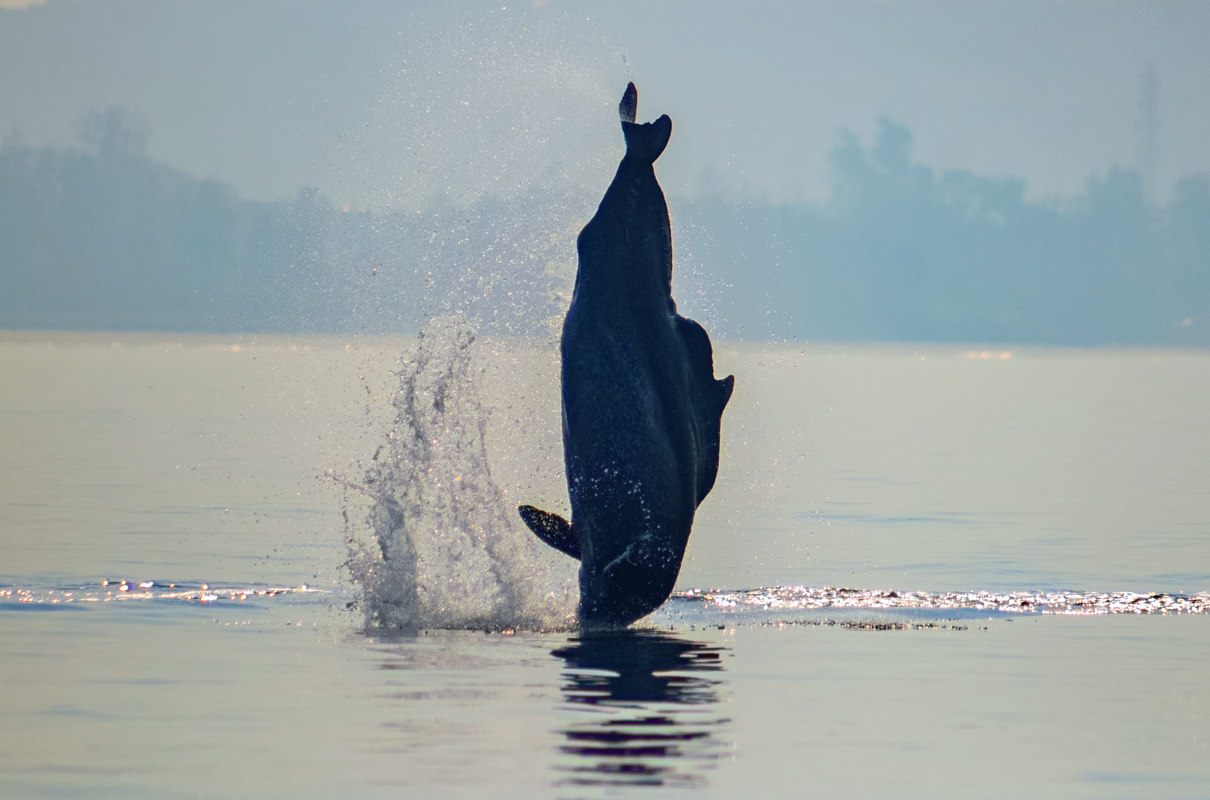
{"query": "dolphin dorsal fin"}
[(710, 397)]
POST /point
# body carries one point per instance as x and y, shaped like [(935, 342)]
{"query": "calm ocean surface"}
[(220, 467)]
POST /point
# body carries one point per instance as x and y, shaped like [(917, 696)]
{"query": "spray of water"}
[(491, 103), (485, 155), (442, 545), (444, 549)]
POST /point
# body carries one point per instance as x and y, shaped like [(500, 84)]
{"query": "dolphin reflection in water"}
[(641, 407), (653, 699)]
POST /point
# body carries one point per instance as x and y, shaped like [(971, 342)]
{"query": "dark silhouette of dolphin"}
[(641, 407)]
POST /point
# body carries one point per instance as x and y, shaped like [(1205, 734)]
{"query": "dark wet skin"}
[(641, 407)]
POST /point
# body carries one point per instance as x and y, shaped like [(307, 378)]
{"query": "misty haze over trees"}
[(103, 238), (902, 253)]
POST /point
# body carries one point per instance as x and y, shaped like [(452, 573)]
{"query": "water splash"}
[(441, 547)]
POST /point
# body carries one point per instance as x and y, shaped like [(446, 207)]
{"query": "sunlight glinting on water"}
[(746, 605), (783, 598), (126, 591)]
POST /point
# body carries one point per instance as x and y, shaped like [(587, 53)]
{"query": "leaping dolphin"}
[(641, 407)]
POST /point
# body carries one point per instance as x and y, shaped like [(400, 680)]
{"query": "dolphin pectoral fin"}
[(552, 529)]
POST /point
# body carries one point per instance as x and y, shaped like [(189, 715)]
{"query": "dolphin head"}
[(629, 587)]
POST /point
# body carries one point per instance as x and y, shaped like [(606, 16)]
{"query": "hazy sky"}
[(384, 102)]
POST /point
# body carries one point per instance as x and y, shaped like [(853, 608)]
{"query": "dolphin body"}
[(641, 407)]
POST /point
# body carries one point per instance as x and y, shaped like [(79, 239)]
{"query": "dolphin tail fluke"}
[(644, 142), (629, 107), (552, 529)]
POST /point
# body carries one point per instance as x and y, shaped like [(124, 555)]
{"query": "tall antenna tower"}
[(1147, 130)]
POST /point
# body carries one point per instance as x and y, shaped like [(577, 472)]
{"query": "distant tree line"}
[(102, 237), (904, 253), (105, 238)]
